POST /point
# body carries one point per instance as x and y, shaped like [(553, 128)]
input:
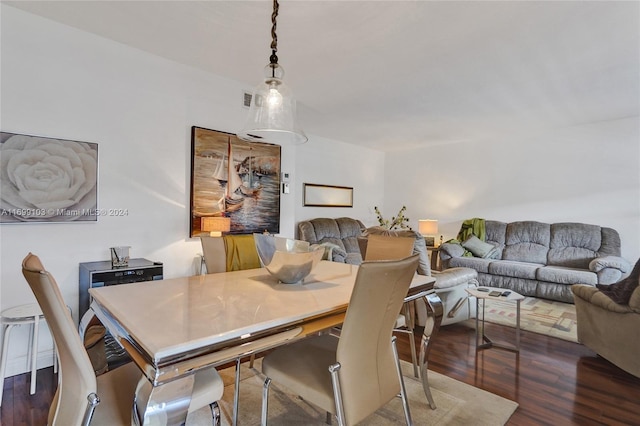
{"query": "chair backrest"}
[(229, 253), (215, 257), (368, 374), (77, 379), (386, 247)]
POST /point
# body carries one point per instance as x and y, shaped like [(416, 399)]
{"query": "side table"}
[(434, 254), (482, 341)]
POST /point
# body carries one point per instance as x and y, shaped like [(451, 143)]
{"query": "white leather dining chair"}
[(81, 397), (222, 254), (352, 375), (386, 247)]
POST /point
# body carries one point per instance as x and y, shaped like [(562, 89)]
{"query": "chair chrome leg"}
[(412, 342), (236, 394), (337, 394), (215, 413), (265, 401), (403, 391), (92, 403), (434, 309)]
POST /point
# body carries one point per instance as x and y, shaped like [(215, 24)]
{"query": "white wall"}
[(59, 82), (330, 162), (588, 173)]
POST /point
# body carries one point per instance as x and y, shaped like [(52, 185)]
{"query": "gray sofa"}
[(542, 260)]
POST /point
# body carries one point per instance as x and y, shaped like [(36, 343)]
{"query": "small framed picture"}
[(316, 195)]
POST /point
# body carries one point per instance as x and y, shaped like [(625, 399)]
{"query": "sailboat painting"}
[(234, 178)]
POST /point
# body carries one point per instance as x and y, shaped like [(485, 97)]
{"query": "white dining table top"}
[(174, 316)]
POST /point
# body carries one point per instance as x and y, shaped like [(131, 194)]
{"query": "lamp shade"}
[(428, 226), (215, 225), (272, 114)]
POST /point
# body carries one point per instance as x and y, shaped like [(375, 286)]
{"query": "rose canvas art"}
[(47, 180)]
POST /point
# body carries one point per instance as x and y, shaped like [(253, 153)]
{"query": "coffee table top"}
[(476, 292)]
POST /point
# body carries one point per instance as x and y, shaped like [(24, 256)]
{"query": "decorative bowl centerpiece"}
[(289, 260)]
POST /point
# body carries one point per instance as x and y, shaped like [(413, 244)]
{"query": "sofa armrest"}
[(610, 269), (331, 251), (454, 277), (449, 250), (338, 255), (597, 298)]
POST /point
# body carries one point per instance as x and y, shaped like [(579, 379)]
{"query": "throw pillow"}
[(621, 291), (478, 247)]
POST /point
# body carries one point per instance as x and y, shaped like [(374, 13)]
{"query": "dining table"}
[(172, 328)]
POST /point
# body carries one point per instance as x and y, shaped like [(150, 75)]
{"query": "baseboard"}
[(20, 365)]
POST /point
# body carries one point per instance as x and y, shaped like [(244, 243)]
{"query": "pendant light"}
[(272, 114)]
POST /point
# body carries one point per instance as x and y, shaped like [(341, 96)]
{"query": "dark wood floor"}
[(554, 381)]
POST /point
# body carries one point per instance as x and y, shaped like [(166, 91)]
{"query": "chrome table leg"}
[(434, 310), (166, 404)]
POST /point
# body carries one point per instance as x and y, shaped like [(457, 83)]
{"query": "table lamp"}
[(215, 225), (428, 228)]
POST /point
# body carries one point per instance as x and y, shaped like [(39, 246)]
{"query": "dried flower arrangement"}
[(398, 221)]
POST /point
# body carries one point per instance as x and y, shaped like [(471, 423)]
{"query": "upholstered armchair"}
[(608, 320)]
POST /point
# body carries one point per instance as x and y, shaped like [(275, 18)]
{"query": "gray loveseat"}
[(543, 260)]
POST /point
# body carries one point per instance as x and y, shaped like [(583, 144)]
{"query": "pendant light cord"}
[(274, 37)]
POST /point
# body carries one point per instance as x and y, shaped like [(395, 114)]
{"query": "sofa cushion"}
[(353, 258), (554, 291), (479, 248), (350, 230), (621, 291), (561, 275), (573, 245), (496, 232), (477, 263), (508, 268), (611, 245), (527, 242)]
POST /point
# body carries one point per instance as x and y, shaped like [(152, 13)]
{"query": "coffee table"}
[(482, 341)]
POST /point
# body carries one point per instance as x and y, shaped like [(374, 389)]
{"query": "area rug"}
[(541, 316), (457, 403)]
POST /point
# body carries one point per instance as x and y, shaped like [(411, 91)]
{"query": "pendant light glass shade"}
[(272, 114)]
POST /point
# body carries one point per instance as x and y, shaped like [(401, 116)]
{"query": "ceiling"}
[(400, 74)]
